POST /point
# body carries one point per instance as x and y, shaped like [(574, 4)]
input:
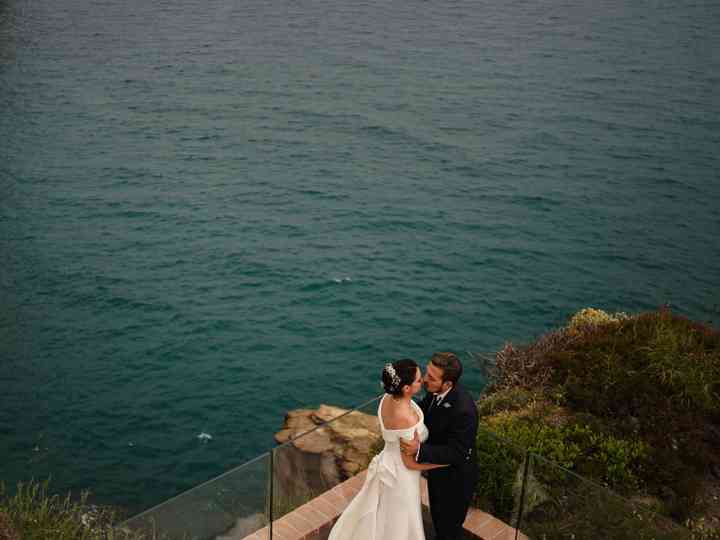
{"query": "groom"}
[(452, 419)]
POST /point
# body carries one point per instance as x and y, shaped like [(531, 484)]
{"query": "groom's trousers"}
[(448, 514)]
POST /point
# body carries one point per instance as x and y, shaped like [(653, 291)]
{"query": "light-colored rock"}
[(325, 413), (283, 436), (315, 442), (243, 527), (300, 419), (313, 459)]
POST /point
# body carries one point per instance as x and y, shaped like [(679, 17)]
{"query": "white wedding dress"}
[(388, 505)]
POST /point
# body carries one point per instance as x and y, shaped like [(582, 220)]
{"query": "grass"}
[(34, 513)]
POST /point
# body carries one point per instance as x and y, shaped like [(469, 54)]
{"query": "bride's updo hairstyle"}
[(398, 374)]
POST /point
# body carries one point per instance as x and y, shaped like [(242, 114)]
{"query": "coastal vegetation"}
[(33, 513), (608, 404)]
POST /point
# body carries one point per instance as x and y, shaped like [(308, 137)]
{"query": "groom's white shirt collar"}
[(440, 397)]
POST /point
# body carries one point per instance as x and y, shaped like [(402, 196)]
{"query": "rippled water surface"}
[(212, 212)]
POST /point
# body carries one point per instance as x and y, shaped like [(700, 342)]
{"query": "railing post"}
[(271, 492), (526, 466)]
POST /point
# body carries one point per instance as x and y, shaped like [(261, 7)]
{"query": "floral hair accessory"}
[(395, 379)]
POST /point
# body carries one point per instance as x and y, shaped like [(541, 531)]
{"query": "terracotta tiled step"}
[(314, 519)]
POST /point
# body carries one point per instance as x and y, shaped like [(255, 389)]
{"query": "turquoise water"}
[(212, 212)]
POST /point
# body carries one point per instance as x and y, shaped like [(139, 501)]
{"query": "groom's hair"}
[(450, 364)]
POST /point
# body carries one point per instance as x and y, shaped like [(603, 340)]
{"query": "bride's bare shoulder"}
[(395, 417)]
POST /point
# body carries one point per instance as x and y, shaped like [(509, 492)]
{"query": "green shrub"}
[(654, 362), (640, 395), (577, 447), (498, 464), (581, 512), (37, 515), (507, 399)]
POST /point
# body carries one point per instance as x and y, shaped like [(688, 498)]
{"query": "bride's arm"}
[(411, 464)]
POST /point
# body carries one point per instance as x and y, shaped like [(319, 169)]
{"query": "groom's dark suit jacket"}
[(453, 428)]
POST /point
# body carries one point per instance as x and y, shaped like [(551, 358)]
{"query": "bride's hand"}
[(410, 447)]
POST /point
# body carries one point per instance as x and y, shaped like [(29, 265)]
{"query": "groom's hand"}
[(410, 448)]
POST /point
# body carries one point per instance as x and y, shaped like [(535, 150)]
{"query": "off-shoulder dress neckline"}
[(418, 411)]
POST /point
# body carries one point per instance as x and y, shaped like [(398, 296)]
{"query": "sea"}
[(213, 212)]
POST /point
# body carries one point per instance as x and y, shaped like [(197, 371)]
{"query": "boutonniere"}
[(446, 405)]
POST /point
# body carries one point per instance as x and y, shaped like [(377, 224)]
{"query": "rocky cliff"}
[(317, 454)]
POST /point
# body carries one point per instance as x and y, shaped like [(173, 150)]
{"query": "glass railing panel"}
[(502, 471), (338, 446), (231, 506), (562, 505)]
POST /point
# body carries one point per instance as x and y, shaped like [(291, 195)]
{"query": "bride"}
[(388, 505)]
